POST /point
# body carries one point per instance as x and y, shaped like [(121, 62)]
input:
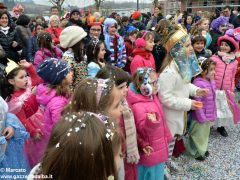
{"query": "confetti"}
[(57, 145), (68, 134), (77, 129), (83, 125)]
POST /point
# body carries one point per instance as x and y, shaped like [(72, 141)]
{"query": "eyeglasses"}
[(97, 30)]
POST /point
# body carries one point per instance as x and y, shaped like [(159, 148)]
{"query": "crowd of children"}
[(91, 104)]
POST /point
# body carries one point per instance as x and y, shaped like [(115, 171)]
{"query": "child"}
[(153, 133), (174, 82), (46, 50), (142, 54), (54, 94), (188, 21), (22, 102), (71, 38), (12, 139), (198, 43), (114, 43), (197, 143), (226, 67), (130, 46), (92, 141), (126, 123), (95, 55)]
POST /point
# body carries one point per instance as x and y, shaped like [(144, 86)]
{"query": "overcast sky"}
[(82, 3)]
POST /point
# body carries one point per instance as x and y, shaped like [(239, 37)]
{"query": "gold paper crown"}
[(10, 66), (176, 37)]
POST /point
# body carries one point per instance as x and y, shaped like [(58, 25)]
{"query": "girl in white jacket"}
[(178, 68)]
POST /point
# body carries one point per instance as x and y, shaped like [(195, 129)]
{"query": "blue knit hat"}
[(53, 70), (108, 22)]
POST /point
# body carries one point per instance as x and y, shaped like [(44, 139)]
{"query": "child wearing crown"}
[(176, 72)]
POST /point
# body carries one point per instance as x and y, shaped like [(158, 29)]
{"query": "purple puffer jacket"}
[(44, 53), (53, 106), (208, 112), (155, 134)]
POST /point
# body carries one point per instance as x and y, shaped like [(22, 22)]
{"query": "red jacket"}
[(130, 46), (30, 105), (55, 33)]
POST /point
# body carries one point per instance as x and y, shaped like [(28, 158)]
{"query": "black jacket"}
[(6, 42), (213, 46)]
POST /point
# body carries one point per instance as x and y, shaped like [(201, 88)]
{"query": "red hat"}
[(137, 15), (230, 36)]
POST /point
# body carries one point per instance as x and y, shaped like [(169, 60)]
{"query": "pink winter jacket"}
[(154, 134), (225, 73), (53, 106), (141, 60), (44, 53)]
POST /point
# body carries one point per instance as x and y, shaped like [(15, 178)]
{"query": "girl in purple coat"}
[(153, 133), (197, 144)]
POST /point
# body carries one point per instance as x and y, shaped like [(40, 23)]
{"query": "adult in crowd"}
[(8, 37), (55, 28), (54, 11), (24, 34), (75, 19), (156, 17), (227, 12), (178, 17)]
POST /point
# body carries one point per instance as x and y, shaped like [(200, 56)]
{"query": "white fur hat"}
[(71, 35)]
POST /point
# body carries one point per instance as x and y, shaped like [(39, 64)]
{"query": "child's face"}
[(123, 88), (205, 25), (4, 20), (149, 44), (198, 46), (20, 81), (224, 47), (153, 81), (189, 20), (69, 78), (39, 29), (115, 109), (133, 37), (112, 30), (95, 31), (222, 28), (189, 48), (102, 51), (118, 159), (211, 72), (125, 23)]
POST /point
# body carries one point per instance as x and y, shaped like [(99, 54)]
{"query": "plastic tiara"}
[(11, 65), (176, 37)]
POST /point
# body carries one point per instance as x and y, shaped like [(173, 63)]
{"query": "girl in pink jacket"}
[(226, 67), (143, 52), (54, 94), (153, 134)]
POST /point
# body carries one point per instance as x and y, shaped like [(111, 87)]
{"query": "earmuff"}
[(146, 88), (140, 42)]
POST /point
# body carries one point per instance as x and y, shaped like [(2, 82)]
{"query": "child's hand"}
[(148, 150), (14, 44), (196, 105), (202, 92), (24, 63), (151, 116), (8, 132), (38, 136)]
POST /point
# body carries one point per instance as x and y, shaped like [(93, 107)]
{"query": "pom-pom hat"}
[(232, 37), (53, 71), (137, 15), (71, 35)]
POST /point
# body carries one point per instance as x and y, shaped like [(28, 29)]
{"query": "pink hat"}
[(231, 36)]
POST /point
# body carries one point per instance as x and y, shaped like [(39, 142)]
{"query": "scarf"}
[(226, 57), (131, 135), (141, 52), (5, 30)]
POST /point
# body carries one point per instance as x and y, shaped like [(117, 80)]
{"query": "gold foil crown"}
[(176, 37), (10, 66)]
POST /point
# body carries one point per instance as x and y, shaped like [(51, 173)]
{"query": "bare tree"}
[(98, 3), (57, 3)]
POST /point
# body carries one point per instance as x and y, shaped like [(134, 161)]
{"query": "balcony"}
[(199, 4)]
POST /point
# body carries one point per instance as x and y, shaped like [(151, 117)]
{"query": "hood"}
[(134, 97), (141, 52), (44, 95)]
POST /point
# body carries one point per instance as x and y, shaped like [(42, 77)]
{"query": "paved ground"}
[(223, 162)]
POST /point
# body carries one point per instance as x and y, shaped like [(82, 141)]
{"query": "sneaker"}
[(200, 158), (173, 167), (167, 175), (222, 131), (207, 153)]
